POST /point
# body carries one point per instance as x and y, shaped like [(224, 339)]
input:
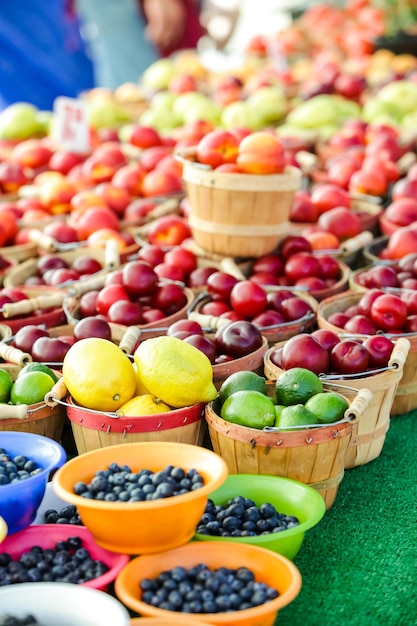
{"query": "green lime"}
[(6, 383), (297, 385), (278, 410), (328, 406), (296, 415), (249, 408), (31, 388), (239, 381), (38, 367)]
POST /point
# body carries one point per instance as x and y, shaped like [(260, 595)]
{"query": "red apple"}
[(92, 326), (379, 350), (139, 278), (27, 335), (125, 313), (349, 357), (238, 339), (303, 350)]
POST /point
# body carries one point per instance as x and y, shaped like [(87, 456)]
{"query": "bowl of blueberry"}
[(62, 553), (26, 463), (141, 497), (217, 583), (272, 512), (59, 604)]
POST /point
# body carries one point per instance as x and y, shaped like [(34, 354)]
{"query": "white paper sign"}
[(71, 129)]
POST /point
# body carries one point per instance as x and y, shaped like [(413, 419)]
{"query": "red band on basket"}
[(146, 424)]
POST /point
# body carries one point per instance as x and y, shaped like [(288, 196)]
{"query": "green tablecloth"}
[(359, 564)]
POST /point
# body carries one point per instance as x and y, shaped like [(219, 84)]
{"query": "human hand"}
[(165, 21)]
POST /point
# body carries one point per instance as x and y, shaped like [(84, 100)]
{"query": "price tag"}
[(71, 129)]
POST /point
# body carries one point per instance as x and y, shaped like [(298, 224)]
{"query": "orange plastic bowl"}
[(142, 527), (166, 621), (269, 567)]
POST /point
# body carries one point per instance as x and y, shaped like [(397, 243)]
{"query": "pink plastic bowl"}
[(47, 535)]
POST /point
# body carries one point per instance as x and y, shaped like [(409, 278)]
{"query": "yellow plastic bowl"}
[(3, 529), (268, 567), (142, 527)]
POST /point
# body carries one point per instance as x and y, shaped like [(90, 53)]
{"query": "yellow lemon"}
[(145, 404), (175, 371), (98, 374)]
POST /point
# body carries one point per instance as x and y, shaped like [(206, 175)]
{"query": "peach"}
[(217, 147), (31, 153), (56, 195), (261, 153), (130, 177), (158, 183), (144, 137)]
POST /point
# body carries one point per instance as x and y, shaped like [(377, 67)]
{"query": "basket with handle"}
[(369, 432), (405, 398), (241, 215), (97, 429), (315, 456), (18, 276), (278, 332), (39, 418)]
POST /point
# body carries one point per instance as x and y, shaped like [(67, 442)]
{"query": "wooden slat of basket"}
[(87, 439)]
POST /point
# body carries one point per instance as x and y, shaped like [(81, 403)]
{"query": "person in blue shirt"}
[(42, 53)]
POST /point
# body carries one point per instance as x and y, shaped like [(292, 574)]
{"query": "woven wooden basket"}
[(315, 456), (27, 269), (43, 305), (405, 398), (369, 431), (240, 215), (39, 418), (279, 332), (97, 429)]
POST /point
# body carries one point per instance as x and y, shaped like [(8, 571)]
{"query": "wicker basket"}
[(96, 429), (239, 215), (27, 269), (315, 456), (43, 305), (280, 332), (39, 418), (405, 399), (369, 432)]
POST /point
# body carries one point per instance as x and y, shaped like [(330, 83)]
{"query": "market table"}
[(358, 564)]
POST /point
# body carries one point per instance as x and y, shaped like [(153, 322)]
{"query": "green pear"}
[(19, 121), (401, 92), (159, 74)]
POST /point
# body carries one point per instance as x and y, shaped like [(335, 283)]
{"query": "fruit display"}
[(221, 286)]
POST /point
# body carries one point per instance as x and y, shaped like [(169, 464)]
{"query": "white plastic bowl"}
[(63, 604)]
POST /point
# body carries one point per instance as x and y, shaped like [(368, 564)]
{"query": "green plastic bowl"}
[(286, 495)]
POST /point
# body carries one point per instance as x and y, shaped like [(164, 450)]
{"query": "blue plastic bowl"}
[(20, 501)]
